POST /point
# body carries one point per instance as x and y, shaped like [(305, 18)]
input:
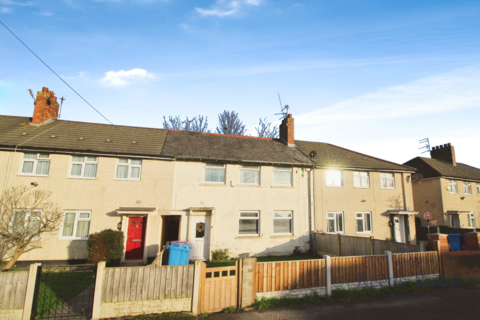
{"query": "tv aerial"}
[(284, 108), (426, 145)]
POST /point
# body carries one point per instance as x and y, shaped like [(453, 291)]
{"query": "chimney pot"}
[(445, 152), (46, 107)]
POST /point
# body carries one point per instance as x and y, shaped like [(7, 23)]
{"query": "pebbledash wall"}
[(101, 196), (225, 201)]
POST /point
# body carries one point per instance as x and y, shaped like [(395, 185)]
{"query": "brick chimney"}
[(46, 107), (445, 153), (286, 130)]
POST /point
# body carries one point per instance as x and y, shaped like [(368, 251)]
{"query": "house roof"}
[(430, 168), (329, 155), (75, 136), (207, 146)]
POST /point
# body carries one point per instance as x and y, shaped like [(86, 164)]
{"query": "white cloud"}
[(5, 10), (226, 8), (46, 14), (444, 92), (122, 78)]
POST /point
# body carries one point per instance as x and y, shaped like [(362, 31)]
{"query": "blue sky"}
[(372, 76)]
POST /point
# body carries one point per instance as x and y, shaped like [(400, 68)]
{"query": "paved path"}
[(78, 308)]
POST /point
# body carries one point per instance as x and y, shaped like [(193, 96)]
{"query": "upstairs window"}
[(129, 169), (361, 180), (76, 225), (334, 178), (452, 186), (282, 176), (387, 181), (334, 222), (250, 175), (467, 187), (478, 188), (84, 167), (215, 173), (282, 223), (364, 222), (35, 164)]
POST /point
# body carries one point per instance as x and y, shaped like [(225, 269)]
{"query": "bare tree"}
[(266, 129), (200, 124), (174, 123), (230, 123), (25, 215), (195, 124)]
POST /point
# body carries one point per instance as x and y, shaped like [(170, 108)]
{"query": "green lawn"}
[(227, 263), (57, 288)]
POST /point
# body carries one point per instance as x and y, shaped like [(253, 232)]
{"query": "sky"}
[(373, 76)]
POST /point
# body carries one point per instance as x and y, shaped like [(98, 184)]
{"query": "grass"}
[(231, 262), (57, 288)]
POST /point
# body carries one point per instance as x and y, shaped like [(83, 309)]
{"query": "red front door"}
[(135, 238)]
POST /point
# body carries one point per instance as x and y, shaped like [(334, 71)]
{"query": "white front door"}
[(399, 228), (455, 220), (199, 237)]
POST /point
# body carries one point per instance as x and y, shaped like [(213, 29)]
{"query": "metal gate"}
[(219, 288), (64, 292)]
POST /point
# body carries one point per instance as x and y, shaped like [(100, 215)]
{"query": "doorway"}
[(170, 229), (135, 238), (199, 236), (455, 220), (399, 228)]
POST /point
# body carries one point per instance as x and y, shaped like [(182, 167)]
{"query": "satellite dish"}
[(417, 177), (313, 154)]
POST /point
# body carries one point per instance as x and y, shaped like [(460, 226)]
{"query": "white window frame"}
[(249, 218), (129, 170), (467, 188), (478, 188), (27, 218), (283, 218), (35, 163), (363, 219), (385, 177), (472, 223), (283, 169), (453, 186), (328, 182), (83, 163), (75, 224), (357, 176), (335, 219), (216, 167), (250, 168)]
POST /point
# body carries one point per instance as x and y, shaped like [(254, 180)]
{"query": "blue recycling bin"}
[(179, 254), (455, 240)]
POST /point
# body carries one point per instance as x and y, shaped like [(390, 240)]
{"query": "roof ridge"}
[(220, 134)]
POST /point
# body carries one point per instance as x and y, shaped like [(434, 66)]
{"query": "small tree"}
[(230, 123), (195, 124), (25, 215), (266, 129), (106, 245)]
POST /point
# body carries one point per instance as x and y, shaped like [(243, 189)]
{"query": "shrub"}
[(106, 245), (220, 255)]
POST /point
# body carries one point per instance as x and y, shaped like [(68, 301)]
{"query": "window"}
[(76, 225), (36, 164), (26, 224), (282, 176), (387, 181), (364, 222), (250, 174), (467, 187), (471, 220), (248, 224), (335, 222), (129, 169), (282, 223), (452, 185), (334, 178), (478, 188), (84, 167), (360, 180), (215, 172)]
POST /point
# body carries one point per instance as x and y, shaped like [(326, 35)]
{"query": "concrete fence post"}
[(390, 268), (328, 275), (196, 286), (97, 296), (30, 292), (247, 282)]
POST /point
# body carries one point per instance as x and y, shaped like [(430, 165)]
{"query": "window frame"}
[(130, 166), (333, 185), (27, 218), (466, 187), (360, 179), (471, 217), (283, 169), (35, 164), (82, 171), (249, 218), (335, 219), (450, 184), (383, 175), (478, 188), (224, 168), (75, 224), (362, 218), (250, 169), (281, 218)]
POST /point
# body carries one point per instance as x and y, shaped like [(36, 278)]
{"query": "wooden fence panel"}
[(327, 243), (354, 246), (13, 286), (147, 283), (355, 269), (411, 264), (289, 275), (219, 288)]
